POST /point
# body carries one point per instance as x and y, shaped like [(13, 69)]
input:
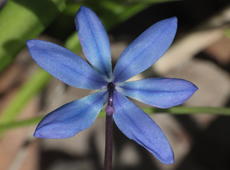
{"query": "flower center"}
[(109, 108)]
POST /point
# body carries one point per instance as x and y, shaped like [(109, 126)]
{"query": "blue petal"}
[(65, 65), (146, 49), (159, 92), (94, 40), (71, 118), (138, 126)]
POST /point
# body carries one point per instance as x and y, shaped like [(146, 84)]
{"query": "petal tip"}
[(174, 22), (174, 19), (46, 132), (37, 133), (166, 158), (168, 161), (193, 88), (81, 10), (43, 131)]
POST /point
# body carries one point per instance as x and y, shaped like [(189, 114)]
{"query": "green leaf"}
[(21, 20)]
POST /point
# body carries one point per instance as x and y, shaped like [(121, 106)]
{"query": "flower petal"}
[(146, 49), (71, 118), (65, 65), (94, 40), (159, 92), (138, 126)]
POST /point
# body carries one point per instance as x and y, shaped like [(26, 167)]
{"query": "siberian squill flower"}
[(111, 85)]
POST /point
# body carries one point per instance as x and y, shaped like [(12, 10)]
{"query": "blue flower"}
[(78, 115)]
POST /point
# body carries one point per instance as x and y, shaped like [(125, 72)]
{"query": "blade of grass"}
[(19, 123), (180, 110), (183, 110), (227, 32)]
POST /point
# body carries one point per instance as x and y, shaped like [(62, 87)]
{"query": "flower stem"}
[(108, 142), (109, 129)]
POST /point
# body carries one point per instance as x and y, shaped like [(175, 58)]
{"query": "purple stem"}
[(108, 142), (109, 129)]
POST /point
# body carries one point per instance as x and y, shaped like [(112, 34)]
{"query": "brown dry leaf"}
[(220, 50)]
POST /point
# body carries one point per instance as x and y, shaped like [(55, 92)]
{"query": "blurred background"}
[(200, 54)]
